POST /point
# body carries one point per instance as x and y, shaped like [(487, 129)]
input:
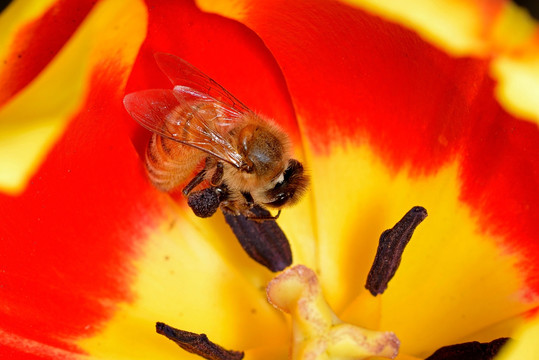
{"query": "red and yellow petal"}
[(390, 122), (71, 231), (236, 58), (111, 254), (45, 83), (192, 273), (500, 31)]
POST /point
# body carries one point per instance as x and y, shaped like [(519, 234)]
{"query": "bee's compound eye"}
[(204, 203)]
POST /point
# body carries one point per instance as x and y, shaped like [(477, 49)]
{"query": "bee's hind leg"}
[(217, 176), (194, 182), (215, 180)]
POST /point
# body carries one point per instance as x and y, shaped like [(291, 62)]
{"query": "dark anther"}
[(469, 351), (263, 241), (390, 248), (197, 344), (204, 203), (4, 4), (531, 5)]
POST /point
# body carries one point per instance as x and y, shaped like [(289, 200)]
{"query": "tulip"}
[(388, 107)]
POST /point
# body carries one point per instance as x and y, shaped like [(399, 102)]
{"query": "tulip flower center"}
[(318, 334)]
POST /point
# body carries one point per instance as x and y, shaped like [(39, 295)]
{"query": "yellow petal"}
[(518, 88), (450, 269), (193, 275), (525, 345)]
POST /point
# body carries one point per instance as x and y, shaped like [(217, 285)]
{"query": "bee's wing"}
[(181, 73), (163, 112)]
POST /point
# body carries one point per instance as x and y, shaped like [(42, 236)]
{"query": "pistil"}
[(318, 334)]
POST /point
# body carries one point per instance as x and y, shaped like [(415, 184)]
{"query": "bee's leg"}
[(194, 182), (217, 176), (248, 199), (215, 180), (261, 218), (227, 209)]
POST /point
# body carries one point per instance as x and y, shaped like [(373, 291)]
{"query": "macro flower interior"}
[(388, 107)]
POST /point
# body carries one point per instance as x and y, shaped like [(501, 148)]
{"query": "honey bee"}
[(247, 158)]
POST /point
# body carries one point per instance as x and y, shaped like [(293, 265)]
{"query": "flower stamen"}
[(390, 248), (197, 343), (317, 332), (469, 350)]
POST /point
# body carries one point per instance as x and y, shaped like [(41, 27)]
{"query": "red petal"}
[(225, 50)]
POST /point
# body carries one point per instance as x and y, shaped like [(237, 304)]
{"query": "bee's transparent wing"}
[(181, 73), (188, 117)]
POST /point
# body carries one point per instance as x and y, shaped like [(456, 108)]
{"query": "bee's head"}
[(289, 187)]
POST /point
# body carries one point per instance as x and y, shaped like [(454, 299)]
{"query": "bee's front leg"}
[(248, 199), (216, 178), (260, 214)]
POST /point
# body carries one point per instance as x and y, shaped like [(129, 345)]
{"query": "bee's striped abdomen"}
[(170, 163)]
